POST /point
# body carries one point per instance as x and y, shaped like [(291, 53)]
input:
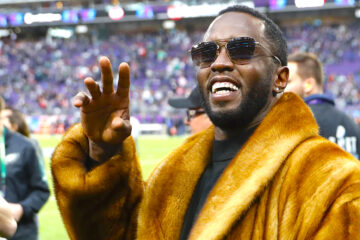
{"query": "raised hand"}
[(105, 115)]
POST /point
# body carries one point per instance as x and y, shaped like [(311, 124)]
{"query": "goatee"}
[(240, 118)]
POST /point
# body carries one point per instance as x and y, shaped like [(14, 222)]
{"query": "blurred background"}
[(47, 48)]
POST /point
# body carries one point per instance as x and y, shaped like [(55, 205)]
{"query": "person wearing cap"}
[(197, 119)]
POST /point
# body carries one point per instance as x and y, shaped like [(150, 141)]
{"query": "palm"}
[(105, 116)]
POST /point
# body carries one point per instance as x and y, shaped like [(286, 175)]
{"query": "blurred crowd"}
[(41, 76)]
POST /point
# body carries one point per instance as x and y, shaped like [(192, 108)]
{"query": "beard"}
[(239, 118)]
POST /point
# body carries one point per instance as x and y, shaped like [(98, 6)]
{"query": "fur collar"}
[(170, 186)]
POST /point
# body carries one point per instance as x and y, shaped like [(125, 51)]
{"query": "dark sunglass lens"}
[(203, 53), (241, 48)]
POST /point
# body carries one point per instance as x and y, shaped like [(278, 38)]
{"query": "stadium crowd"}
[(41, 76)]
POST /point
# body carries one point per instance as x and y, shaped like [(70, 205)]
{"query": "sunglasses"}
[(191, 113), (240, 50)]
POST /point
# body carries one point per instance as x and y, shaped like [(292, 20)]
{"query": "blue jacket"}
[(25, 183)]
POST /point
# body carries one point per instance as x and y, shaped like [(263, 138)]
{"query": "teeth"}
[(223, 87), (220, 92)]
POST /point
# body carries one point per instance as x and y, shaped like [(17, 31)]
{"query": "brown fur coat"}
[(285, 183)]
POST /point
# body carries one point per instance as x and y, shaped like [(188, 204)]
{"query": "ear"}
[(309, 86), (281, 80)]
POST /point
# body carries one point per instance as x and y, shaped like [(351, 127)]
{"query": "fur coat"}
[(285, 183)]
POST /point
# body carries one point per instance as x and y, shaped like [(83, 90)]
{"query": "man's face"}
[(295, 83), (236, 108), (198, 121)]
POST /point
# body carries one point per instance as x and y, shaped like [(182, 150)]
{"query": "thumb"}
[(118, 131)]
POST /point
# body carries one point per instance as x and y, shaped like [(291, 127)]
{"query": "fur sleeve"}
[(343, 220), (101, 203)]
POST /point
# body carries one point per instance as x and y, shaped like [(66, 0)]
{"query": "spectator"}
[(306, 79), (23, 183), (15, 121), (197, 119)]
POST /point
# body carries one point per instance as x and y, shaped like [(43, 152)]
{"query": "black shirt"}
[(222, 154)]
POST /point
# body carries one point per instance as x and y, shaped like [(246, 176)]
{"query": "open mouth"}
[(221, 88)]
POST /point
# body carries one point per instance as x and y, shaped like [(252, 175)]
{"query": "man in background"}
[(197, 119), (22, 182), (306, 79)]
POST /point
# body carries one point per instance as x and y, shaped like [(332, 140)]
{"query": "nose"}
[(222, 62)]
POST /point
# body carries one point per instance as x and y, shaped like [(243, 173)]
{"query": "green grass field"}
[(152, 149)]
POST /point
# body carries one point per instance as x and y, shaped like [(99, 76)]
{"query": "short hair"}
[(272, 31), (308, 65)]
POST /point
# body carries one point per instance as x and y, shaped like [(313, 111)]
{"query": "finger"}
[(117, 119), (107, 75), (123, 125), (117, 123), (124, 80), (81, 100), (93, 88)]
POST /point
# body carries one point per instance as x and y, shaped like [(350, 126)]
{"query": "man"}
[(262, 171), (23, 184), (306, 79), (197, 119)]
